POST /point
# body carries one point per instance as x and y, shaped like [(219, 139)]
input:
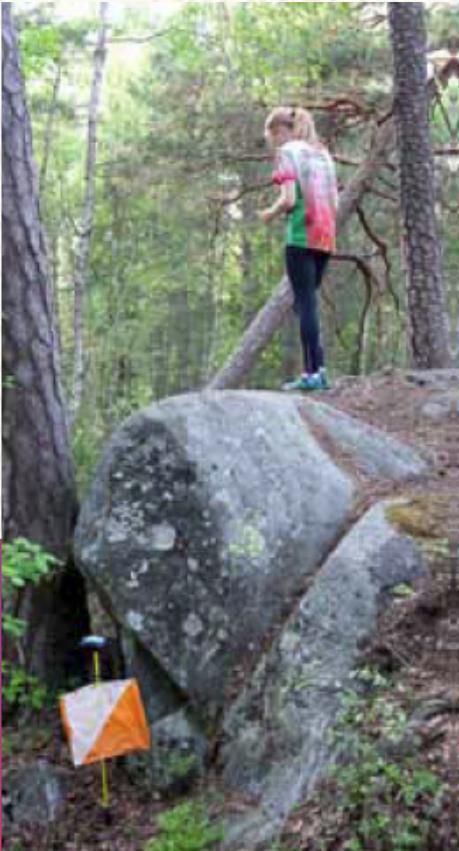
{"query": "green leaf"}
[(402, 590), (13, 626)]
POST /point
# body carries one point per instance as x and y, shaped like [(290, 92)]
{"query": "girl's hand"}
[(266, 215)]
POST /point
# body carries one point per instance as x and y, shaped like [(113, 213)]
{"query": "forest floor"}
[(379, 804), (410, 405), (405, 651), (414, 652)]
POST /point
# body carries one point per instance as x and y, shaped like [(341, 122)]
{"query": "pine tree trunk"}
[(39, 497), (87, 215), (271, 316), (428, 324)]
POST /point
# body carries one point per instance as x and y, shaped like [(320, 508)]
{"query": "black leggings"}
[(305, 268)]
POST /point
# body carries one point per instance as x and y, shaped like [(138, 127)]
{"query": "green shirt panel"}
[(296, 221)]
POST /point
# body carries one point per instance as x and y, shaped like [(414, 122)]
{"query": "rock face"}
[(207, 514), (218, 534), (179, 754), (442, 405), (178, 757), (276, 746), (34, 793), (373, 452)]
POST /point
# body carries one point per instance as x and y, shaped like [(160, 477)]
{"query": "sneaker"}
[(306, 383)]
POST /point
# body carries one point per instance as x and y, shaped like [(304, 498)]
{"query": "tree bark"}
[(428, 329), (271, 316), (87, 214), (39, 497)]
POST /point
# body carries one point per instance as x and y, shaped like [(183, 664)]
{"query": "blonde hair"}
[(298, 119)]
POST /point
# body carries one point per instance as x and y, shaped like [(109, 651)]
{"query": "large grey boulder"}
[(207, 515), (276, 746)]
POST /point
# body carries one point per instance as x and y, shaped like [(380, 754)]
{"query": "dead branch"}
[(346, 160), (135, 39), (382, 245), (385, 195), (233, 197)]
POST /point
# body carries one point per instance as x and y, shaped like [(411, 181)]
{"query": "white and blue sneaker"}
[(308, 382)]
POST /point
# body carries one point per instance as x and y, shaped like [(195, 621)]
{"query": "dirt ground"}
[(418, 638)]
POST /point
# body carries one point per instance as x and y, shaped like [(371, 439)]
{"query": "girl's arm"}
[(284, 203)]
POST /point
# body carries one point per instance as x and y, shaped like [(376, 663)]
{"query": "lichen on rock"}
[(421, 515)]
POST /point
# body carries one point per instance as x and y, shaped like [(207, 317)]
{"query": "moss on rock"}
[(421, 515)]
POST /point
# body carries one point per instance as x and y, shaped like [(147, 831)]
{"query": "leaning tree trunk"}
[(271, 316), (39, 498), (428, 323), (87, 214)]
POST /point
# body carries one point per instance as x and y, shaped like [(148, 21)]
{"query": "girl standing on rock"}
[(305, 173)]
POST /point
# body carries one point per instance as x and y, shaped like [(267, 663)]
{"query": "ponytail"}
[(299, 120), (303, 126)]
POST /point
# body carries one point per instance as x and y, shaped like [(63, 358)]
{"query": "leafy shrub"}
[(185, 828), (24, 562), (21, 688), (386, 800)]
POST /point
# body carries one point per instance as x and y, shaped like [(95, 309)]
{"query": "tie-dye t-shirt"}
[(312, 221)]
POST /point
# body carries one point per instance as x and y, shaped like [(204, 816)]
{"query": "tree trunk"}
[(428, 324), (39, 498), (271, 316), (52, 239), (87, 214)]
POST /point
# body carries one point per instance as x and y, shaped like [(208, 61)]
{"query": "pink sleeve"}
[(280, 177)]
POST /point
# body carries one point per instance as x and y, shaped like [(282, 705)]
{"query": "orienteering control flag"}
[(104, 720)]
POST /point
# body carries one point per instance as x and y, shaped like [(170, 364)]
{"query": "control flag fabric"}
[(104, 720)]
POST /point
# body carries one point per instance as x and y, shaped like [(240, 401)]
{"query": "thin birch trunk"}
[(50, 126), (87, 214)]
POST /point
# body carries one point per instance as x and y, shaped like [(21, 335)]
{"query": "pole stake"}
[(103, 764)]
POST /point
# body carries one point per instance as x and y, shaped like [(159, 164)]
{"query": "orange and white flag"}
[(104, 720)]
